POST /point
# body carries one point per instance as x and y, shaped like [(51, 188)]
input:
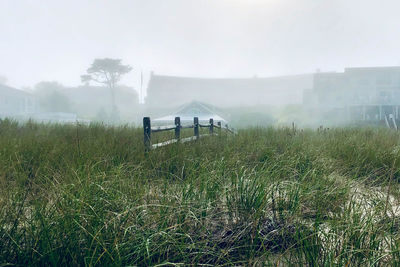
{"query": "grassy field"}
[(88, 195)]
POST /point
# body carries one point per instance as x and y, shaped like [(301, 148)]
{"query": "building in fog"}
[(356, 86), (367, 93), (170, 91), (14, 102)]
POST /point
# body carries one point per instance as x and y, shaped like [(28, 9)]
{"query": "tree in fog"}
[(51, 98), (106, 71)]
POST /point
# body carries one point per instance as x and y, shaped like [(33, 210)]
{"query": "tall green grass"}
[(89, 195)]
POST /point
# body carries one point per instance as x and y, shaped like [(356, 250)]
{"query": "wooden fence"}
[(148, 131)]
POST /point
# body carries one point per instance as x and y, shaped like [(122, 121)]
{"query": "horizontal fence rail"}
[(148, 130)]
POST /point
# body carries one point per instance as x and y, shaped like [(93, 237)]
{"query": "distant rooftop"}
[(164, 90), (382, 68), (213, 79), (194, 109), (10, 90)]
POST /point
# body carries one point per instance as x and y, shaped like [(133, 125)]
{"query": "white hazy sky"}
[(58, 39)]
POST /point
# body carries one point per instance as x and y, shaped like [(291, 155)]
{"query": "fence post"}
[(211, 126), (147, 133), (196, 127), (219, 127), (178, 128)]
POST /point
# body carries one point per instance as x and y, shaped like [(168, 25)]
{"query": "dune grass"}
[(89, 195)]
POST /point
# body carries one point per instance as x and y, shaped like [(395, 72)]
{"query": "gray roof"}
[(10, 91), (194, 109), (169, 91)]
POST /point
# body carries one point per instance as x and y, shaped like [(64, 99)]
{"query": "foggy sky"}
[(58, 39)]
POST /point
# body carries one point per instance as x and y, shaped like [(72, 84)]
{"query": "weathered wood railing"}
[(148, 130)]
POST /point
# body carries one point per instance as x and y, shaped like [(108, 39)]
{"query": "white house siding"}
[(16, 102), (358, 86)]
